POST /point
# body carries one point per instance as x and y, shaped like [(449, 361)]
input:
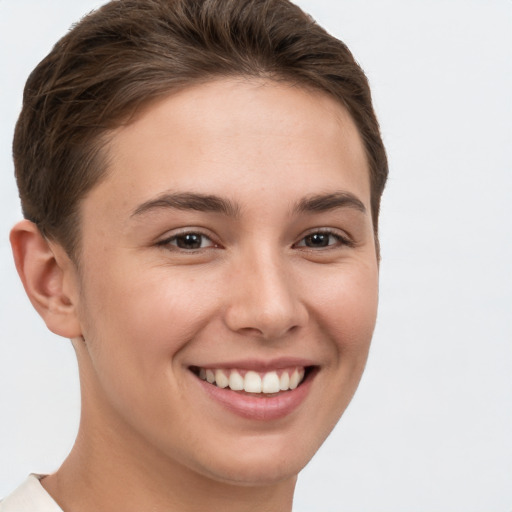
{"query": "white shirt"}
[(30, 496)]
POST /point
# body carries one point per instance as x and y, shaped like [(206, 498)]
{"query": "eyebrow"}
[(216, 204), (325, 202), (189, 201)]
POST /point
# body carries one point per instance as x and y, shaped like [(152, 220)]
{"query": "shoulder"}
[(30, 496)]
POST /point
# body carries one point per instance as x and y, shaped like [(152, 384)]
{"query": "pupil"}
[(318, 240), (191, 241)]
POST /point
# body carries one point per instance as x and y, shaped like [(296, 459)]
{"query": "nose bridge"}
[(264, 297)]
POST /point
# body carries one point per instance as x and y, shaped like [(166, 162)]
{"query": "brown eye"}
[(317, 240), (188, 241), (322, 240)]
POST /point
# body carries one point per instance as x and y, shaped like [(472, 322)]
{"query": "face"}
[(228, 281)]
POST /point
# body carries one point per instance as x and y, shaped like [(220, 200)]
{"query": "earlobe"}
[(49, 278)]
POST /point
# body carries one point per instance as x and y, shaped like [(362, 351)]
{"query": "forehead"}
[(219, 136)]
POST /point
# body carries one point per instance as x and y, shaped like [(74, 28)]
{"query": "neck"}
[(113, 468)]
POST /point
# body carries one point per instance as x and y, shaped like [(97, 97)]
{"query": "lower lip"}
[(259, 408)]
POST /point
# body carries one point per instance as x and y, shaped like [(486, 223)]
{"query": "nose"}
[(263, 299)]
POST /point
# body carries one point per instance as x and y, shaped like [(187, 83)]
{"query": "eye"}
[(322, 239), (188, 241)]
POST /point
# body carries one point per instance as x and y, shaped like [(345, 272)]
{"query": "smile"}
[(249, 381), (257, 391)]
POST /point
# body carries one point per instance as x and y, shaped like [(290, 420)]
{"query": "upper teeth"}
[(254, 382)]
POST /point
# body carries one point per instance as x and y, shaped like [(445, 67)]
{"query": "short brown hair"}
[(132, 51)]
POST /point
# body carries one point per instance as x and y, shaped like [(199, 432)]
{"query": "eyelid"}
[(343, 238), (166, 242)]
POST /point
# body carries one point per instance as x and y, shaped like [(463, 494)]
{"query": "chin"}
[(259, 461), (257, 475)]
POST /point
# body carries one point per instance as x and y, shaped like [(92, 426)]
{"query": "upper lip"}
[(259, 365)]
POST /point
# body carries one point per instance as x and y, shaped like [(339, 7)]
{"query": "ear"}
[(49, 278)]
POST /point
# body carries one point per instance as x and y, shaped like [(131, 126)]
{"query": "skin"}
[(142, 310)]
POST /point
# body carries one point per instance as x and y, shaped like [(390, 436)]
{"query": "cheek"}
[(135, 329), (346, 314), (139, 322), (348, 308)]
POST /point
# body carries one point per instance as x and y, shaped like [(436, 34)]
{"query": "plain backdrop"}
[(430, 429)]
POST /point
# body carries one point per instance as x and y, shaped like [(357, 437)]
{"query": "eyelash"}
[(174, 241), (340, 240)]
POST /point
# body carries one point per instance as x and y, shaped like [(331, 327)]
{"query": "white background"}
[(430, 428)]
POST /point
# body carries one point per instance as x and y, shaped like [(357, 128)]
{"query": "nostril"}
[(271, 325), (251, 331)]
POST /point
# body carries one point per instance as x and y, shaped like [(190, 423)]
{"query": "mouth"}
[(253, 383)]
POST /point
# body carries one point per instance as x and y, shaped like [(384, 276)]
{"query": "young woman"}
[(201, 182)]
